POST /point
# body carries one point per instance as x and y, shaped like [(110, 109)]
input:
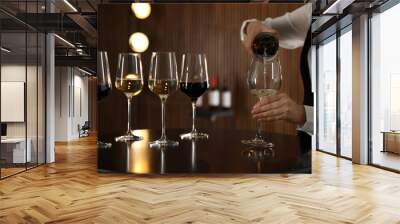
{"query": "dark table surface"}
[(222, 153)]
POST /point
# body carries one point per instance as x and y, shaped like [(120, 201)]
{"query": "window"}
[(346, 93), (385, 89), (327, 96)]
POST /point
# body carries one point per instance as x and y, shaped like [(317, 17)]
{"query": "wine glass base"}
[(163, 143), (128, 138), (258, 143), (193, 135)]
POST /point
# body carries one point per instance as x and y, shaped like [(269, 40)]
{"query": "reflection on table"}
[(221, 153)]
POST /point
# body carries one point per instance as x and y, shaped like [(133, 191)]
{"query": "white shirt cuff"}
[(308, 126), (242, 34)]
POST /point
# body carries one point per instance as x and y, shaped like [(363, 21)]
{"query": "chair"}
[(84, 130)]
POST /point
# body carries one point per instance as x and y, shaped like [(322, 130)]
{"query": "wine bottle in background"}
[(214, 94), (265, 45), (199, 102), (226, 99)]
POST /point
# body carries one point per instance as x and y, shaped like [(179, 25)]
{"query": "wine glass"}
[(194, 83), (163, 80), (129, 80), (264, 79), (104, 84)]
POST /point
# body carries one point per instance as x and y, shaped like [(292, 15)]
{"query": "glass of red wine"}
[(194, 83), (104, 83)]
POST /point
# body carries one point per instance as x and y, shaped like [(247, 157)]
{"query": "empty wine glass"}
[(129, 80), (104, 84), (264, 79), (194, 83), (163, 80)]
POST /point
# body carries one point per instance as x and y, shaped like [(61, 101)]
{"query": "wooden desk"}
[(13, 150), (222, 153), (391, 141)]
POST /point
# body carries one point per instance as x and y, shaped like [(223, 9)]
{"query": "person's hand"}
[(279, 107), (254, 28)]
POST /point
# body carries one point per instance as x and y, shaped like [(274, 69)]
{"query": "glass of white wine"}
[(264, 79), (163, 80), (129, 80)]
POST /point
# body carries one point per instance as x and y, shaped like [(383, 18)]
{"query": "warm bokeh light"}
[(138, 42), (139, 156), (141, 10)]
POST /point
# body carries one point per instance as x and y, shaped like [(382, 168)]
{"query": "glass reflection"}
[(193, 157), (138, 156), (258, 156), (162, 164)]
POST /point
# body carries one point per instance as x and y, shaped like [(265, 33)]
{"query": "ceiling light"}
[(64, 40), (5, 49), (138, 42), (141, 10), (70, 5)]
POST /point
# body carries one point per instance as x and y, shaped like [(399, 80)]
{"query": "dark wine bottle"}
[(214, 94), (265, 45), (226, 99)]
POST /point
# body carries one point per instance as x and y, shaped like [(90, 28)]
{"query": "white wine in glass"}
[(163, 87), (264, 79), (260, 93), (163, 80), (131, 85), (129, 80)]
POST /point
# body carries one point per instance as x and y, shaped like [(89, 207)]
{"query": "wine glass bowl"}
[(129, 80), (194, 83), (264, 79), (163, 80)]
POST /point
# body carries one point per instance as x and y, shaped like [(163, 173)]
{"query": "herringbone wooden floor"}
[(71, 191)]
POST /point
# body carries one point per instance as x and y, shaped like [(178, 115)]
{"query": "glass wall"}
[(22, 91), (385, 89), (326, 99), (346, 93)]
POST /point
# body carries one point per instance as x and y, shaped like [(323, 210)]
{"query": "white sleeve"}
[(292, 27), (242, 34), (308, 126)]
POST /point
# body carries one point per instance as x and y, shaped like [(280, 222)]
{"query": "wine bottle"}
[(226, 97), (265, 45), (199, 102), (214, 95)]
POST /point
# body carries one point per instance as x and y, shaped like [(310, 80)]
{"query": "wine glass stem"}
[(193, 116), (258, 133), (129, 131), (163, 135)]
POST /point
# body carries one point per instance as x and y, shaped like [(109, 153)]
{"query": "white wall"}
[(15, 73), (71, 102), (33, 127)]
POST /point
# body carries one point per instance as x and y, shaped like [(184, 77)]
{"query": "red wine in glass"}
[(193, 89)]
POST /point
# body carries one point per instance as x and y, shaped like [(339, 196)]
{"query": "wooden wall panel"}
[(209, 28), (92, 107)]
